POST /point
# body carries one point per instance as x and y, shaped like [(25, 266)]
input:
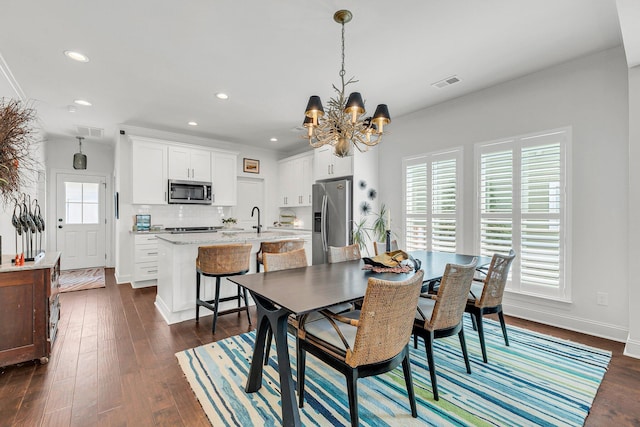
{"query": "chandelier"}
[(344, 123)]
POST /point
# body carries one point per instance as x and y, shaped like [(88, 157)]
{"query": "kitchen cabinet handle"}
[(328, 169), (152, 271), (152, 253), (193, 173)]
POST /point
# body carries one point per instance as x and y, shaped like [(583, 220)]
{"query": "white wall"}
[(175, 215), (590, 95), (633, 340), (59, 159)]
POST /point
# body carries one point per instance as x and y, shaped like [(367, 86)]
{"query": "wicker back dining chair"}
[(221, 261), (381, 247), (365, 342), (440, 315), (274, 261), (278, 246), (343, 253), (485, 297)]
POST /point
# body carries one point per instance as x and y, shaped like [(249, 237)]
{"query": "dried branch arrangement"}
[(16, 137)]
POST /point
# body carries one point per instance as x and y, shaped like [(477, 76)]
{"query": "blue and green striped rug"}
[(538, 380)]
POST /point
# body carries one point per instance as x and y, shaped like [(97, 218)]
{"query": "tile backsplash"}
[(183, 215)]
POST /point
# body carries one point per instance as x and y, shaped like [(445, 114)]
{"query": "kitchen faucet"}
[(257, 227)]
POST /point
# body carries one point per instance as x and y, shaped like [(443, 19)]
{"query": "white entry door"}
[(80, 221)]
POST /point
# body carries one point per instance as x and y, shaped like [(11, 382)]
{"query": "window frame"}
[(456, 154), (516, 143)]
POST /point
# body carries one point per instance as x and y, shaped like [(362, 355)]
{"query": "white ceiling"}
[(158, 63)]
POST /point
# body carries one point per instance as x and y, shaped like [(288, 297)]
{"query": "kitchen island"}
[(177, 253)]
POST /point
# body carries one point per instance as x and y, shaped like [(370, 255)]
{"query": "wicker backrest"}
[(343, 253), (224, 259), (285, 260), (496, 280), (381, 247), (386, 320), (280, 246), (452, 296)]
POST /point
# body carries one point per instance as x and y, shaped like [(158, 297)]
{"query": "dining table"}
[(300, 291)]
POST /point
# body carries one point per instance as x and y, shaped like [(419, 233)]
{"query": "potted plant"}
[(228, 222)]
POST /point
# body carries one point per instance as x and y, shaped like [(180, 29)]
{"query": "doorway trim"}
[(108, 206)]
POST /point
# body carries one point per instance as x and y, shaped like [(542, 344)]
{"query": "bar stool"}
[(221, 261), (277, 247)]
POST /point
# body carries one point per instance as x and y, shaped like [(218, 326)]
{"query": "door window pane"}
[(82, 202)]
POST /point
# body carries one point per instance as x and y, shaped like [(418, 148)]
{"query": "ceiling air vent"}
[(446, 82), (89, 131)]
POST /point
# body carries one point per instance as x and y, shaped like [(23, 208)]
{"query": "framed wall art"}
[(251, 166)]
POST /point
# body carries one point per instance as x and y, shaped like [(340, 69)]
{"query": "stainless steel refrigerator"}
[(332, 214)]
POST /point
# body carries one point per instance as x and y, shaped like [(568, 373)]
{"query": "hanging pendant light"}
[(79, 159), (344, 124)]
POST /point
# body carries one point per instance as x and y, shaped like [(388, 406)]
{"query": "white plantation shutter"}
[(416, 206), (496, 202), (443, 205), (522, 204), (432, 204)]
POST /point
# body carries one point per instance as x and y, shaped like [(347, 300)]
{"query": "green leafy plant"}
[(360, 233), (230, 220), (379, 227)]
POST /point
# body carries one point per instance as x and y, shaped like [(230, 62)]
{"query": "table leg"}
[(276, 318)]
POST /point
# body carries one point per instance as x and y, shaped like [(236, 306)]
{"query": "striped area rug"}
[(537, 381), (78, 280)]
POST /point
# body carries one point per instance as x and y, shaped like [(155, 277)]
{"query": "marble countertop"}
[(48, 260), (226, 236)]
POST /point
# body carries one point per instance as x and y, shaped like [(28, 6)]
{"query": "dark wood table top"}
[(303, 290), (434, 263)]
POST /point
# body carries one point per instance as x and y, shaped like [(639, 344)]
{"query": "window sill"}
[(528, 295)]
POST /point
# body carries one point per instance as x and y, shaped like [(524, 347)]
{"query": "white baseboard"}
[(585, 326), (144, 284), (122, 278), (632, 349)]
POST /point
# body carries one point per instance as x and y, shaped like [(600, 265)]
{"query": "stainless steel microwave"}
[(190, 192)]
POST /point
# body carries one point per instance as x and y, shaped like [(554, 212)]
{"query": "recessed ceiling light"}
[(221, 95), (76, 56), (82, 102), (274, 140), (192, 123)]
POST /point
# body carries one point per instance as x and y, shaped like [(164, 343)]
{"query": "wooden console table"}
[(29, 309)]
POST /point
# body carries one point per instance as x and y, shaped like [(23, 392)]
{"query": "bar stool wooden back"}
[(277, 247), (221, 261)]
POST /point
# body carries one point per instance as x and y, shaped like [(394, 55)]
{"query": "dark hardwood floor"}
[(113, 364)]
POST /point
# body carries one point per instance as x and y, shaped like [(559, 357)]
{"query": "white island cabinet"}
[(177, 253)]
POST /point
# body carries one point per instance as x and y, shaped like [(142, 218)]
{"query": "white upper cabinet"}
[(328, 166), (190, 164), (224, 178), (296, 180), (149, 174)]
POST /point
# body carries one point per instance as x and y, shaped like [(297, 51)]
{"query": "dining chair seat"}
[(320, 327)]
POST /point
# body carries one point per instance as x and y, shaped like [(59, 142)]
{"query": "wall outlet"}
[(602, 298)]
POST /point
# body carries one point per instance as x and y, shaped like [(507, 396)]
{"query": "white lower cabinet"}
[(145, 260)]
